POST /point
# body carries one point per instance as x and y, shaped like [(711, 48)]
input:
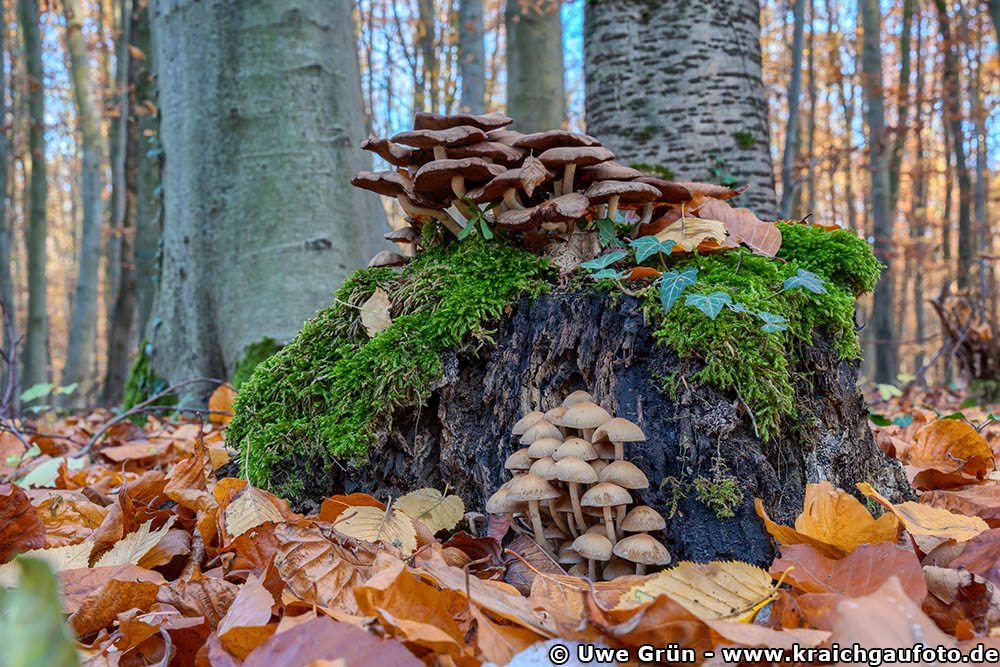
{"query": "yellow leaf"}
[(221, 401), (375, 313), (249, 510), (432, 508), (374, 525), (134, 545), (926, 520), (62, 558), (728, 590), (689, 232)]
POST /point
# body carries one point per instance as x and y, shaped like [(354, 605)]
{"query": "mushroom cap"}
[(520, 178), (526, 422), (712, 190), (628, 192), (581, 156), (606, 171), (544, 447), (405, 234), (576, 447), (617, 567), (567, 208), (540, 429), (499, 503), (554, 532), (427, 120), (578, 570), (518, 460), (564, 503), (670, 192), (643, 549), (531, 487), (387, 183), (585, 415), (605, 494), (504, 135), (642, 519), (435, 177), (542, 141), (568, 555), (593, 546), (385, 258), (572, 469), (619, 430), (599, 464), (605, 450), (544, 467), (577, 396), (452, 136), (624, 474), (554, 415), (398, 156), (493, 150)]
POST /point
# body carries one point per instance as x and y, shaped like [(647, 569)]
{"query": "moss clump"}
[(321, 396), (142, 383), (255, 353), (739, 356)]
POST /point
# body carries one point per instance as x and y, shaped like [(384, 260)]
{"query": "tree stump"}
[(696, 436)]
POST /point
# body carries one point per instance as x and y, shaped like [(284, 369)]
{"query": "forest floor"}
[(163, 559)]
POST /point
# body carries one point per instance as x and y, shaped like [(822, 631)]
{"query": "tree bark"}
[(426, 99), (35, 359), (789, 177), (149, 159), (995, 15), (918, 223), (116, 142), (6, 286), (536, 98), (883, 299), (903, 103), (80, 349), (261, 117), (472, 56), (678, 84)]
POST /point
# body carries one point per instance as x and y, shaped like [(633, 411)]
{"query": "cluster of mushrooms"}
[(456, 168), (571, 480)]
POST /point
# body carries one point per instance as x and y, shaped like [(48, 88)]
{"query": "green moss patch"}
[(739, 356), (255, 353), (321, 396), (142, 383)]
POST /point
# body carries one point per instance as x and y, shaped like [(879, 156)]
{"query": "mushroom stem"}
[(588, 433), (574, 496), (644, 219), (512, 200), (536, 525), (619, 451), (568, 175), (609, 524), (513, 523), (613, 207), (440, 153), (572, 525), (458, 187), (412, 209), (619, 518), (640, 568), (556, 518), (592, 569)]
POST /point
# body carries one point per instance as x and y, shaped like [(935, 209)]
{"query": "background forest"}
[(176, 172)]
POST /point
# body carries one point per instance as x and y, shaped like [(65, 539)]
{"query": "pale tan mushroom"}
[(498, 503), (519, 461), (540, 429), (578, 396), (642, 550), (575, 447), (608, 497), (526, 422), (532, 489), (575, 472), (585, 417), (544, 447), (619, 431), (594, 547), (643, 519)]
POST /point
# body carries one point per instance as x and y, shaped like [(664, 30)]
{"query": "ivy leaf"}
[(672, 284), (487, 232), (806, 279), (903, 420), (772, 328), (878, 420), (606, 230), (772, 322), (710, 304), (645, 246), (610, 273), (738, 307), (604, 261)]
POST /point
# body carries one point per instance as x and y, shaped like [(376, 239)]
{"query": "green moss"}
[(143, 383), (321, 397), (255, 353), (741, 358)]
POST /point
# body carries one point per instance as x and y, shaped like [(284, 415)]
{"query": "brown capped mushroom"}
[(619, 192), (444, 177), (594, 547), (540, 429), (605, 450), (619, 431), (643, 519), (608, 497), (498, 503), (571, 157), (532, 489), (407, 235), (387, 258), (526, 422), (585, 417), (505, 136), (427, 120), (606, 171), (567, 208), (503, 154), (527, 177), (544, 447), (518, 461), (439, 140), (397, 156), (542, 141), (618, 567), (569, 556), (642, 550), (575, 472)]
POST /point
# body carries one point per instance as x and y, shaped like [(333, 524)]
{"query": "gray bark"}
[(536, 97), (261, 119), (117, 128), (995, 15), (148, 203), (789, 178), (472, 55), (35, 359), (903, 102), (878, 151), (6, 286), (678, 84), (83, 326)]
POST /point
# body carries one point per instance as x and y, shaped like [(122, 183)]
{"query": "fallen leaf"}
[(103, 605), (249, 510), (21, 529), (208, 597), (375, 313), (187, 482), (981, 555), (334, 506), (764, 238), (58, 558), (69, 521), (221, 401), (688, 233), (887, 618), (323, 637), (981, 500), (78, 584), (386, 526), (432, 508), (951, 446), (175, 543), (500, 642), (522, 576), (954, 596), (926, 520), (135, 545)]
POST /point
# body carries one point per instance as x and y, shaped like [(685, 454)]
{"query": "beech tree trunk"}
[(80, 348), (536, 98), (472, 56), (35, 353), (261, 119), (149, 159), (789, 177), (549, 347), (677, 84), (6, 286)]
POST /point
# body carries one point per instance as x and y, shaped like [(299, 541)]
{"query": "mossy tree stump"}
[(483, 333)]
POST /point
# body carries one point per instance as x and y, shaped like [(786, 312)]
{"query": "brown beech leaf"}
[(251, 508), (321, 638), (950, 446), (981, 555), (926, 520), (251, 607), (334, 506), (954, 596), (500, 642), (254, 549), (95, 596), (982, 500), (80, 583), (174, 543), (21, 528), (187, 482), (887, 618), (69, 521), (764, 238), (208, 597), (221, 401), (242, 640), (859, 573), (519, 575)]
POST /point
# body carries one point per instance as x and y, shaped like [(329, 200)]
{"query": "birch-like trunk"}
[(472, 55), (536, 97), (790, 155), (261, 121), (677, 83), (35, 356), (6, 286)]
